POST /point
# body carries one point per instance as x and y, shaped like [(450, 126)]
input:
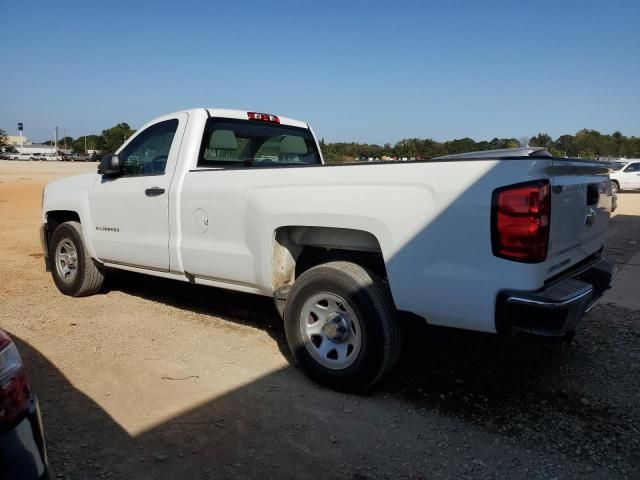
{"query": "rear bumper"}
[(556, 309)]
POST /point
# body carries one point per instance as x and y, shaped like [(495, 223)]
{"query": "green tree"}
[(540, 140), (68, 141), (94, 142), (461, 145), (3, 138), (114, 137)]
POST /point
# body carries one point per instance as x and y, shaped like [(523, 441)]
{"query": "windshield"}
[(618, 165), (250, 143)]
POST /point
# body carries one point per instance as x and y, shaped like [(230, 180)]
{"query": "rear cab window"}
[(233, 143)]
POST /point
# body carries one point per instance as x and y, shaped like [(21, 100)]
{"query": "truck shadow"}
[(242, 308)]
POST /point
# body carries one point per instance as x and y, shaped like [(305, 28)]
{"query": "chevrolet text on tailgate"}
[(500, 241)]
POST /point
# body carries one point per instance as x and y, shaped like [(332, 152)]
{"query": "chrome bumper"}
[(557, 309)]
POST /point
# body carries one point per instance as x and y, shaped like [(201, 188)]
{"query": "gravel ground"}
[(158, 379)]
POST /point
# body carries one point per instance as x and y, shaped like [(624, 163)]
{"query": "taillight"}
[(263, 117), (520, 221), (14, 390)]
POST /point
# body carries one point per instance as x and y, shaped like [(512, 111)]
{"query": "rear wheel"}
[(341, 326), (74, 272)]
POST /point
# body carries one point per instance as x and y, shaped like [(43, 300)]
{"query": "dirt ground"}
[(157, 379)]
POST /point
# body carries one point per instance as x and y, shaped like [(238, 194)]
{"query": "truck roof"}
[(239, 114), (242, 115)]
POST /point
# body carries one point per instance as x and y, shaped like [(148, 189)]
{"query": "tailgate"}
[(580, 209)]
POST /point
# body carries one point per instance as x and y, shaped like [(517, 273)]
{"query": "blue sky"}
[(365, 71)]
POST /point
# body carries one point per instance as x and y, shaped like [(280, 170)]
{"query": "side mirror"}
[(110, 166)]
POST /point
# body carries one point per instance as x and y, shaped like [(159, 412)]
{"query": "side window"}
[(147, 153), (634, 167)]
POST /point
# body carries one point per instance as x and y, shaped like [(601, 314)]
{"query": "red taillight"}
[(14, 390), (263, 117), (520, 221)]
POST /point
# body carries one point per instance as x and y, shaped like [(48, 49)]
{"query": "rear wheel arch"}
[(297, 249)]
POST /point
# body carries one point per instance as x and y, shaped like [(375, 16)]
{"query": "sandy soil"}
[(158, 379)]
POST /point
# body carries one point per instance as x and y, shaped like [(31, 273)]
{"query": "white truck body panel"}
[(410, 218)]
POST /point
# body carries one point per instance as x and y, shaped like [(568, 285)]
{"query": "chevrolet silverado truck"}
[(499, 241)]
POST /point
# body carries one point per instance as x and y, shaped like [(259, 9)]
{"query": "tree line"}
[(584, 144), (107, 142)]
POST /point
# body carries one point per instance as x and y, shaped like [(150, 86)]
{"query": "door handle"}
[(154, 191)]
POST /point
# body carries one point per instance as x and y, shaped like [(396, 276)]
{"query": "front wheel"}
[(341, 326), (615, 188), (74, 271)]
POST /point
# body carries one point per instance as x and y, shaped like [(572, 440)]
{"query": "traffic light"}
[(20, 126)]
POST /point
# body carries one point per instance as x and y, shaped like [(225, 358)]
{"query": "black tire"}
[(88, 278), (615, 187), (370, 300)]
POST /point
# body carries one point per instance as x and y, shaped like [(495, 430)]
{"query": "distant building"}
[(15, 140), (34, 148)]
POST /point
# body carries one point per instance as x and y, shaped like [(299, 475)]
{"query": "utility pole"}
[(20, 130), (85, 144), (64, 134), (56, 140)]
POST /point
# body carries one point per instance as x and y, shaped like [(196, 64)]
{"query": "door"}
[(130, 213), (630, 176)]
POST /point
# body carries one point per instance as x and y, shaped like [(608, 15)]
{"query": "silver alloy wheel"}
[(330, 330), (66, 260)]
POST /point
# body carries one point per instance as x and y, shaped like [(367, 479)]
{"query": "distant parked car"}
[(22, 449), (5, 156), (96, 157), (21, 156), (627, 177)]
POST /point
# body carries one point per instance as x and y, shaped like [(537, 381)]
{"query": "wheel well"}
[(297, 249), (57, 217)]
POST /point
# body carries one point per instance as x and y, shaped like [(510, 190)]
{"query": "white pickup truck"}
[(499, 241)]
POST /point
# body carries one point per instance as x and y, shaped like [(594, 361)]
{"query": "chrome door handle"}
[(154, 191)]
